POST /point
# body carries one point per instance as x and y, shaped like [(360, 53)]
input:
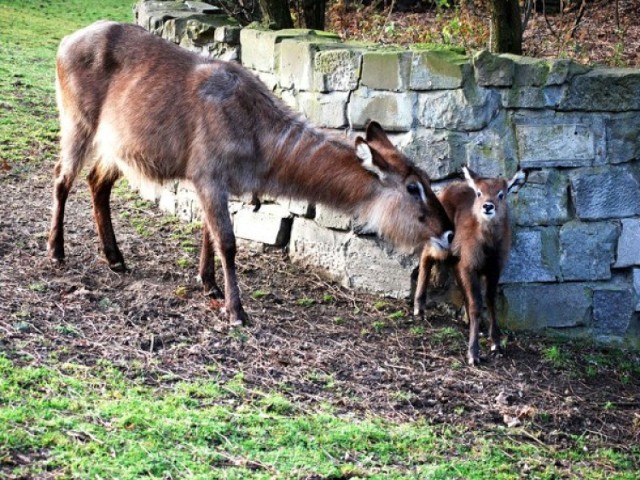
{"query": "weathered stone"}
[(600, 194), (297, 60), (557, 145), (153, 15), (394, 111), (372, 267), (270, 225), (438, 70), (187, 203), (439, 153), (544, 200), (610, 90), (612, 311), (195, 29), (313, 245), (528, 72), (534, 257), (493, 70), (534, 307), (383, 70), (259, 50), (531, 97), (587, 250), (623, 138), (327, 217), (301, 208), (492, 151), (629, 244), (337, 70), (468, 109), (227, 34), (325, 110), (563, 70)]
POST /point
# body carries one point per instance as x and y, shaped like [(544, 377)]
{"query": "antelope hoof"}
[(418, 313), (496, 350), (239, 319), (473, 359), (57, 262), (118, 267), (212, 291)]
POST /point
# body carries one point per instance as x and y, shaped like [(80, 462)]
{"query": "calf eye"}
[(414, 189), (501, 195), (478, 193)]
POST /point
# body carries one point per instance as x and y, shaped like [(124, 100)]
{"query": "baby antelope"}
[(479, 211)]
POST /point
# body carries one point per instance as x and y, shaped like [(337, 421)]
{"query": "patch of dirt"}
[(596, 34), (346, 349)]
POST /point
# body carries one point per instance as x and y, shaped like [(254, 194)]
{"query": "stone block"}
[(327, 217), (527, 71), (534, 257), (327, 110), (370, 266), (492, 152), (493, 70), (544, 200), (195, 29), (534, 307), (301, 208), (628, 253), (438, 70), (612, 311), (153, 15), (531, 97), (187, 203), (270, 225), (227, 34), (312, 244), (563, 70), (466, 109), (600, 194), (560, 145), (608, 90), (259, 47), (297, 61), (384, 70), (337, 70), (439, 153), (587, 250), (623, 138), (394, 111)]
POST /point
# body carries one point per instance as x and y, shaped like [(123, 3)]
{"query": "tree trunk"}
[(506, 26), (313, 13), (276, 14)]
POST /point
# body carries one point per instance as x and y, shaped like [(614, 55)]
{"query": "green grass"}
[(93, 423)]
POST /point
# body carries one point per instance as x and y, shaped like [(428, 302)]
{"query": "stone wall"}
[(575, 264)]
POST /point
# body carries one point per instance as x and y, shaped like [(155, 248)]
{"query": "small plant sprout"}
[(258, 294), (305, 301)]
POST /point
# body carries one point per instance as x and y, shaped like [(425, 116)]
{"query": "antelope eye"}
[(414, 189), (501, 195), (478, 193)]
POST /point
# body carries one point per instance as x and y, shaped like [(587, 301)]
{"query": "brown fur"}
[(133, 103), (479, 251)]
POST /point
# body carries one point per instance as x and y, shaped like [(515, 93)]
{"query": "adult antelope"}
[(479, 210), (131, 103)]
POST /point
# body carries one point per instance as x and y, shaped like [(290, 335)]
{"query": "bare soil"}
[(345, 349)]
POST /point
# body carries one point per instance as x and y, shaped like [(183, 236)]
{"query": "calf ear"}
[(517, 181), (470, 176), (376, 135), (365, 155)]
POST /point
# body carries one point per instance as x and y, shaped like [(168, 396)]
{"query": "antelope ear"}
[(517, 181), (470, 176), (364, 153), (377, 135)]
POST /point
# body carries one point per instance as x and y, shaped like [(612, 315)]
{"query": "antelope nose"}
[(488, 208)]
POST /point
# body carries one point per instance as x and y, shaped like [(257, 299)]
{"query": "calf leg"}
[(494, 331), (100, 184), (424, 271), (471, 288), (74, 146), (218, 222), (207, 265)]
